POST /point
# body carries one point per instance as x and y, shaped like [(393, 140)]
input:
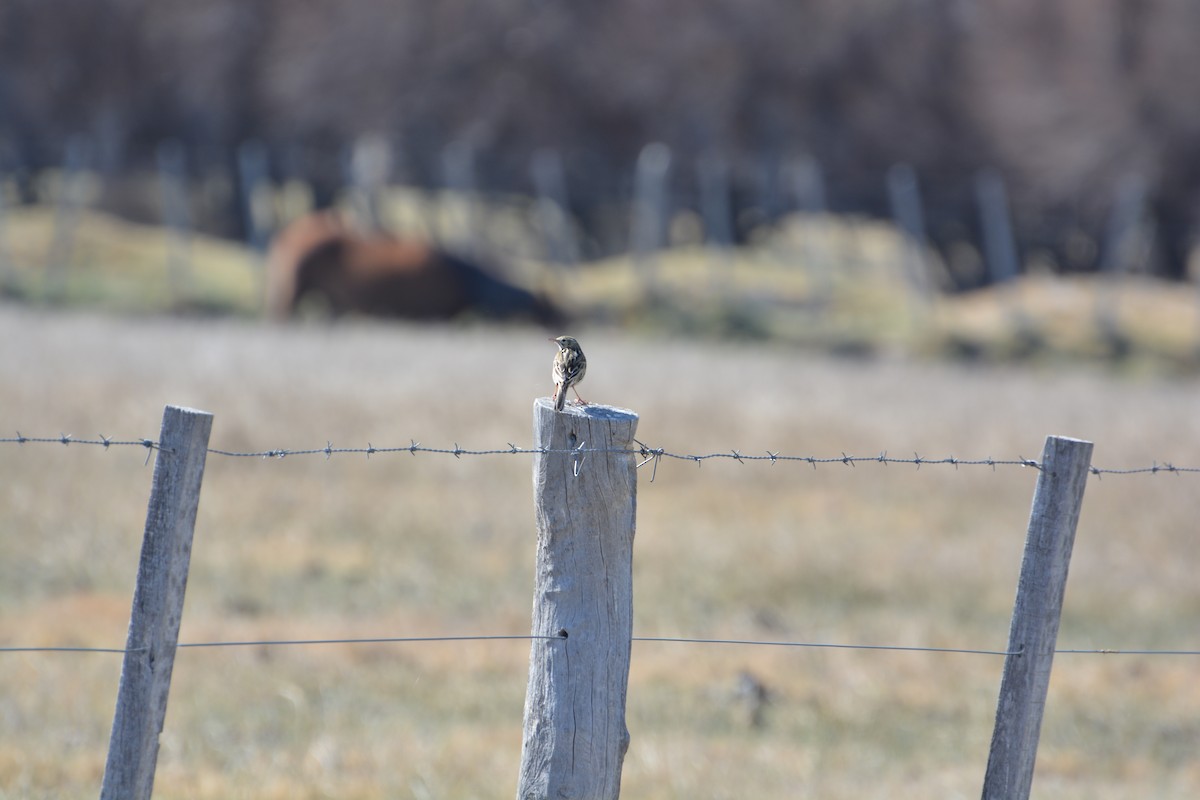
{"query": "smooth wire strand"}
[(826, 645), (65, 650), (646, 453), (647, 639), (283, 643), (371, 640)]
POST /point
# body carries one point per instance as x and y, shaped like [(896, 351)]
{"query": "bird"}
[(570, 366)]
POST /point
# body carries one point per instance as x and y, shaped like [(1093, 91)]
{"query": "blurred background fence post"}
[(553, 208), (370, 172), (253, 174), (574, 738), (999, 247), (1119, 255), (173, 184), (1057, 501), (650, 213), (7, 270), (157, 605), (712, 174), (817, 261), (904, 196), (71, 197), (459, 213), (1001, 260)]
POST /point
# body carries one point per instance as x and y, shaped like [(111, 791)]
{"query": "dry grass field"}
[(408, 545)]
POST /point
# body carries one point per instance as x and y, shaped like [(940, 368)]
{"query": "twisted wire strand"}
[(646, 639), (646, 453)]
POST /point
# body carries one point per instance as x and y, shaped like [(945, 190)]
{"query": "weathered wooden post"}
[(1057, 501), (157, 605), (575, 737)]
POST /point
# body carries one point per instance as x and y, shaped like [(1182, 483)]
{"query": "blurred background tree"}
[(1066, 99)]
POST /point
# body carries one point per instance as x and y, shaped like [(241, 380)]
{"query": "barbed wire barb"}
[(648, 455), (578, 462)]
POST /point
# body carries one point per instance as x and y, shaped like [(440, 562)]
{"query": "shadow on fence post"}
[(575, 738), (157, 605), (1057, 501)]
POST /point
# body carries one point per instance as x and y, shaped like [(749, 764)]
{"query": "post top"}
[(591, 410), (1069, 439), (187, 410)]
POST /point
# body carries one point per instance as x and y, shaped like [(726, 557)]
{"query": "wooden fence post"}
[(575, 737), (1057, 501), (157, 605)]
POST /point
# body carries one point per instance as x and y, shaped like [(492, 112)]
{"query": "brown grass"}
[(426, 544)]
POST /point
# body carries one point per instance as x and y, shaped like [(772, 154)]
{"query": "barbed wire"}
[(648, 454), (645, 639), (104, 441)]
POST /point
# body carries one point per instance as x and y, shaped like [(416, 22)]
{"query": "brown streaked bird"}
[(570, 366)]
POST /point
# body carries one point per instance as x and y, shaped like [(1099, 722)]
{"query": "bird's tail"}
[(560, 396)]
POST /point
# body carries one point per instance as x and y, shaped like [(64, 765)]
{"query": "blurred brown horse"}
[(319, 256)]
